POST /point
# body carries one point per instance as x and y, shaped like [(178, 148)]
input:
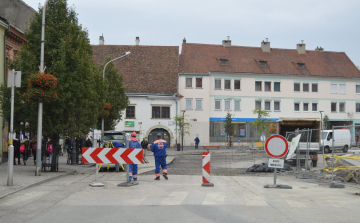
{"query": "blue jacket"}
[(197, 140), (159, 147), (134, 144)]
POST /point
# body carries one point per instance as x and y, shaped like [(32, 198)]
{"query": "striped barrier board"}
[(206, 170), (112, 155)]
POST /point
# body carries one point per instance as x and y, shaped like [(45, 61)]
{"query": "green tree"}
[(180, 124), (229, 127), (261, 123), (326, 122), (68, 56)]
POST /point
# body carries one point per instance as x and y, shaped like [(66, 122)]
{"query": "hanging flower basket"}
[(104, 114), (41, 88), (43, 80), (107, 106)]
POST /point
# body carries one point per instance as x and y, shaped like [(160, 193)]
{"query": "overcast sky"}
[(331, 24)]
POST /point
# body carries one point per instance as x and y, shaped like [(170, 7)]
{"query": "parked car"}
[(112, 136), (341, 140)]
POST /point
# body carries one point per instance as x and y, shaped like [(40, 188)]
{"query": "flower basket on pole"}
[(41, 88)]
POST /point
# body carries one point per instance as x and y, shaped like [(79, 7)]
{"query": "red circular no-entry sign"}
[(276, 146)]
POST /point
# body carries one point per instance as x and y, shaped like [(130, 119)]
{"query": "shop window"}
[(130, 112)]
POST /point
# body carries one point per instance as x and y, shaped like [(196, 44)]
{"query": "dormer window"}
[(300, 65), (223, 62), (263, 63)]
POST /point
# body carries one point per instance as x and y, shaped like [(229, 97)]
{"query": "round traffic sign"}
[(239, 140), (276, 146)]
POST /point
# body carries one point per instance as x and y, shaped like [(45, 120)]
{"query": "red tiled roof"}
[(202, 58), (149, 69)]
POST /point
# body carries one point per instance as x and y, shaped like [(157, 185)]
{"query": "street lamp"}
[(182, 130), (39, 128), (102, 120)]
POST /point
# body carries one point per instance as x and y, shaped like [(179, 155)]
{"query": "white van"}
[(341, 139)]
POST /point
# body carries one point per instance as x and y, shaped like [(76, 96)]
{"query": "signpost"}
[(276, 147), (239, 140)]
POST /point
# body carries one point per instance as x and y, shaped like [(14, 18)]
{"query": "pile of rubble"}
[(263, 167), (349, 175)]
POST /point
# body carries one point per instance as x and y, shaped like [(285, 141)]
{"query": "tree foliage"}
[(261, 122), (229, 128), (326, 121), (68, 56), (181, 123)]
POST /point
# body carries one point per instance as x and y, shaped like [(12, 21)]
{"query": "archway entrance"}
[(165, 134)]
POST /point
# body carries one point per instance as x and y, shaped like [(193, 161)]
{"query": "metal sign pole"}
[(275, 170), (11, 147)]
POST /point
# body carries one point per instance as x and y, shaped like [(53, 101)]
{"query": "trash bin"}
[(178, 147)]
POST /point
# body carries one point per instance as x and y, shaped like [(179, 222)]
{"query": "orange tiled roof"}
[(202, 58), (149, 69)]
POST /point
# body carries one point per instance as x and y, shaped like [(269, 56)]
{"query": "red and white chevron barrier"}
[(206, 170), (112, 155)]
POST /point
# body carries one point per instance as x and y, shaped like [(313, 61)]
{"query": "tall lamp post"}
[(182, 130), (102, 120), (39, 128), (321, 137)]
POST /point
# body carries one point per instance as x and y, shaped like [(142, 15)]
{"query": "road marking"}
[(214, 198), (175, 198), (23, 198)]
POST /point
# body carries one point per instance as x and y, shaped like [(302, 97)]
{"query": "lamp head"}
[(127, 53)]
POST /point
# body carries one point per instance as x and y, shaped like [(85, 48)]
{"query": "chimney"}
[(265, 46), (300, 47), (184, 40), (319, 49), (226, 42), (101, 40), (137, 41)]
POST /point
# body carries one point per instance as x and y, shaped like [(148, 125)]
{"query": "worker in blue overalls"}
[(133, 168), (159, 149)]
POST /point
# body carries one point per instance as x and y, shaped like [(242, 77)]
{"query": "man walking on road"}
[(159, 150), (144, 145), (197, 140), (133, 168)]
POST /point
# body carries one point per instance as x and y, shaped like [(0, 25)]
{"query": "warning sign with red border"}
[(276, 146)]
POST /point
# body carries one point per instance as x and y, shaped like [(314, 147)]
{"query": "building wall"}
[(286, 96), (143, 114), (17, 11)]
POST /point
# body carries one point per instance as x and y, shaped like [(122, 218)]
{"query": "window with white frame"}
[(237, 84), (198, 82), (227, 105), (314, 107), (306, 87), (276, 86), (189, 82), (267, 105), (276, 105), (297, 106), (357, 107), (237, 105), (217, 104), (342, 88), (342, 107), (217, 84), (314, 87), (257, 105), (333, 88), (130, 112), (267, 86), (188, 102), (333, 107), (296, 87), (227, 84), (198, 104), (305, 107), (258, 85), (357, 89)]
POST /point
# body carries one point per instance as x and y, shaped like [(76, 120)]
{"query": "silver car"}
[(112, 136)]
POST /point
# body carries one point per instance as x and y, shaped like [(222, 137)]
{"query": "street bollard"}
[(206, 170)]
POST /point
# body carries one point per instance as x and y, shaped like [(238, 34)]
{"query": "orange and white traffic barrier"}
[(206, 170)]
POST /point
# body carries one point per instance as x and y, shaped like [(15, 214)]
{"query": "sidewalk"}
[(24, 176)]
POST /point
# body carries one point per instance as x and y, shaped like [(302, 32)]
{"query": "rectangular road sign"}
[(276, 163)]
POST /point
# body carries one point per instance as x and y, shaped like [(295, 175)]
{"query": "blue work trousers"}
[(160, 160), (133, 169)]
